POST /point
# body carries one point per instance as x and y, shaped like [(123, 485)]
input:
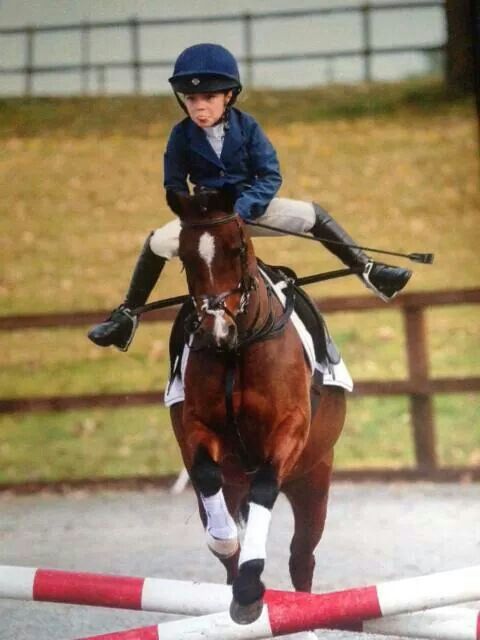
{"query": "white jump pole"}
[(445, 623), (343, 609)]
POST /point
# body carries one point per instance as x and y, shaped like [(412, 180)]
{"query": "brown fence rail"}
[(418, 386), (85, 67)]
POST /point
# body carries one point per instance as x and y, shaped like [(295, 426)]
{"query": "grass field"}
[(81, 185)]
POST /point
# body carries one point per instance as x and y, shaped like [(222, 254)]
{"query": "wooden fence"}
[(418, 386), (85, 67)]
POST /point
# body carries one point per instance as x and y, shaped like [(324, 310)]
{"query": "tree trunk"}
[(461, 26)]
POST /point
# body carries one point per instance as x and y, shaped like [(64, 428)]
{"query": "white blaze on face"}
[(206, 249)]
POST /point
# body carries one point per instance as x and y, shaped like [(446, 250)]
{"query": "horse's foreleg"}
[(221, 530), (309, 497), (248, 589)]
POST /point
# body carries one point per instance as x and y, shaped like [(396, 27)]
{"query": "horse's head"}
[(217, 254)]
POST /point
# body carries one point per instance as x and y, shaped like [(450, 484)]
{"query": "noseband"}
[(215, 305)]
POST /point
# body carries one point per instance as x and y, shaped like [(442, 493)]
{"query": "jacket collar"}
[(233, 135), (200, 144), (233, 140)]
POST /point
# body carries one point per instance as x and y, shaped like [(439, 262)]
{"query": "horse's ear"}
[(177, 200)]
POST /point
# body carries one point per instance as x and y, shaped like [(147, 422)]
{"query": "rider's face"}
[(206, 109)]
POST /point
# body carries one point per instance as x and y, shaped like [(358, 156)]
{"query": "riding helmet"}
[(205, 68)]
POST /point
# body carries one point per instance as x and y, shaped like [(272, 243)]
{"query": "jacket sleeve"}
[(266, 171), (175, 162)]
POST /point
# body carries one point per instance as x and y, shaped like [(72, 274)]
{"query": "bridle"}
[(204, 304)]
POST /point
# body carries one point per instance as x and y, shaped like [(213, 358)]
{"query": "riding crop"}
[(424, 258)]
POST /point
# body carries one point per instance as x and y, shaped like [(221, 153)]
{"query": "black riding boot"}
[(119, 328), (385, 280)]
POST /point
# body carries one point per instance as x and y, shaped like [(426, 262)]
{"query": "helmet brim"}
[(203, 83)]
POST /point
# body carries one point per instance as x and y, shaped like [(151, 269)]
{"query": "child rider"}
[(215, 146)]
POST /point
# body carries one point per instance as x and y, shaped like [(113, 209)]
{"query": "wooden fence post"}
[(367, 42), (101, 79), (85, 56), (135, 48), (247, 47), (29, 33), (421, 400)]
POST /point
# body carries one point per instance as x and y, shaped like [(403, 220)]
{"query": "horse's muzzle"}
[(218, 332)]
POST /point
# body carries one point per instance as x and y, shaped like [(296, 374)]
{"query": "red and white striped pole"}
[(454, 623), (285, 612), (119, 592)]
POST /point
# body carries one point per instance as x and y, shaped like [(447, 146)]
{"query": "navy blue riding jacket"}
[(248, 163)]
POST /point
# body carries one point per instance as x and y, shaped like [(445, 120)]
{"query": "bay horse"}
[(246, 429)]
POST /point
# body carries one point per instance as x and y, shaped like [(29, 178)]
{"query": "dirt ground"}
[(374, 533)]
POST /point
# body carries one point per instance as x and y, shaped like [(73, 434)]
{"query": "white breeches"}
[(287, 214)]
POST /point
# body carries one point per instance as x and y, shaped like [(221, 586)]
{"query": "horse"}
[(247, 428)]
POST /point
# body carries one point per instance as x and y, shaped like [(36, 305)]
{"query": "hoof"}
[(248, 592), (223, 549), (246, 614)]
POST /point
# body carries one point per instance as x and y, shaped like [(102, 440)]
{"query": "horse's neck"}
[(260, 307)]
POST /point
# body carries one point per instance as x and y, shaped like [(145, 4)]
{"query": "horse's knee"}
[(264, 489), (205, 473)]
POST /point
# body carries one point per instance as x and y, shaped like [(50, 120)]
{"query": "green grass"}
[(147, 116), (81, 185), (85, 444), (130, 442)]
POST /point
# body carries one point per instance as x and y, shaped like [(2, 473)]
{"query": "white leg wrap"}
[(164, 241), (221, 530), (254, 546), (290, 215)]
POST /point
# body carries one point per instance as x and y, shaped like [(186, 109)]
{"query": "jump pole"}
[(453, 623), (342, 609)]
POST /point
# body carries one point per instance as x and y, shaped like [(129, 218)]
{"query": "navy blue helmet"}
[(205, 68)]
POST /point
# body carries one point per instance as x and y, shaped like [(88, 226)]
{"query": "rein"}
[(209, 223)]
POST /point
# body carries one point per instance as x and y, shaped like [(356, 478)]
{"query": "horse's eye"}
[(236, 251)]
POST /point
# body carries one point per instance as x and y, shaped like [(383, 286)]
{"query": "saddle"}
[(308, 313), (325, 349)]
